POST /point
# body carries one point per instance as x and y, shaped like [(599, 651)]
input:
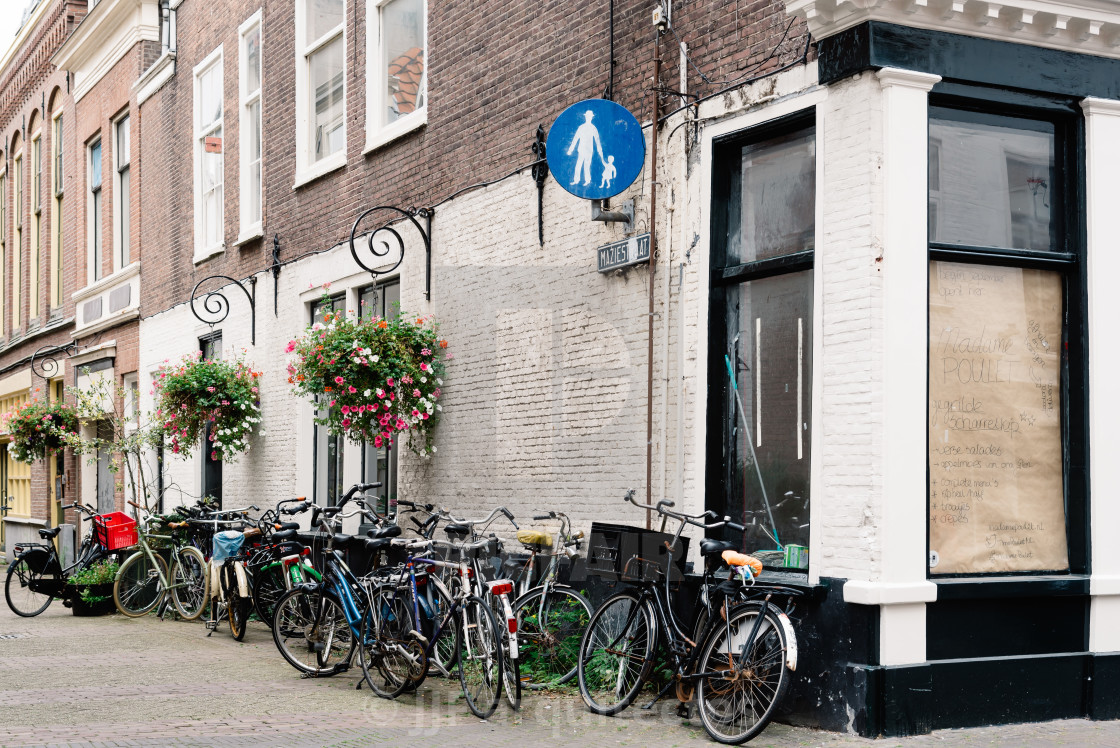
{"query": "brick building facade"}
[(815, 205)]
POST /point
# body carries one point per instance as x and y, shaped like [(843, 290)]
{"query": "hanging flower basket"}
[(38, 428), (214, 398), (373, 378)]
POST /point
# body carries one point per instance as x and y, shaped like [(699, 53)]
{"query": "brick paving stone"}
[(118, 683)]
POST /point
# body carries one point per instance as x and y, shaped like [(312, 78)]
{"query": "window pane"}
[(96, 218), (36, 172), (212, 195), (327, 100), (125, 208), (778, 199), (210, 97), (254, 124), (996, 499), (253, 60), (322, 16), (402, 42), (124, 150), (58, 155), (994, 184), (95, 166), (766, 428)]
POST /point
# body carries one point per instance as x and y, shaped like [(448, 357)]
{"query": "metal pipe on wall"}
[(652, 272)]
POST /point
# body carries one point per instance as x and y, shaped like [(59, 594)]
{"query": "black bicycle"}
[(738, 666), (36, 577)]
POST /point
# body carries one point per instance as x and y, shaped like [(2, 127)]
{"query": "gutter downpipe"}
[(652, 273)]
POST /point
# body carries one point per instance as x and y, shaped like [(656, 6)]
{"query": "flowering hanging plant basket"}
[(213, 399), (374, 378), (38, 428)]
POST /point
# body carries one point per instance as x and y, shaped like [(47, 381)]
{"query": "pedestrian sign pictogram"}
[(595, 149)]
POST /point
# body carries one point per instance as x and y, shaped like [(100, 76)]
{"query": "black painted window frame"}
[(334, 304), (726, 159), (970, 103)]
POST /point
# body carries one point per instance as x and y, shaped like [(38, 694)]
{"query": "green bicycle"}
[(144, 578)]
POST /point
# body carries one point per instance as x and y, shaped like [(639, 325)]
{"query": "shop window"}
[(1000, 312), (209, 160), (759, 426), (320, 85), (379, 464), (250, 86), (329, 452), (398, 74)]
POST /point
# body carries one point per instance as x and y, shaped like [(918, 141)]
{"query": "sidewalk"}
[(113, 681)]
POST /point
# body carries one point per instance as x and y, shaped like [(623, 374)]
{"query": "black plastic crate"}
[(626, 553)]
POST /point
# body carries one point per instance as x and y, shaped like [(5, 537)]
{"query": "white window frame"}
[(58, 196), (308, 169), (251, 226), (120, 223), (201, 251), (377, 134), (93, 269)]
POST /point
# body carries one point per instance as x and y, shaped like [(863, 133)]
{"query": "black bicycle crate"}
[(626, 553)]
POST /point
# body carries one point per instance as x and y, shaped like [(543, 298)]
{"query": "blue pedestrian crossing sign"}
[(595, 149)]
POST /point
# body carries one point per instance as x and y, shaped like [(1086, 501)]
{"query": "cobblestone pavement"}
[(113, 681)]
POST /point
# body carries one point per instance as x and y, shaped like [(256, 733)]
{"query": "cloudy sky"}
[(11, 11)]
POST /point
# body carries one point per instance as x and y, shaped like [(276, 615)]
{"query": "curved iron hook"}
[(216, 306), (385, 248)]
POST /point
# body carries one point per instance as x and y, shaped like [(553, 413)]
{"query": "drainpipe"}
[(652, 273)]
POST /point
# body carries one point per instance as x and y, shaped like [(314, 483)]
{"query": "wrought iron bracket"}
[(215, 305), (45, 361), (540, 175), (624, 215), (381, 241)]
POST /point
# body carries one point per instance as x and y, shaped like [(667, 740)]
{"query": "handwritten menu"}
[(995, 453)]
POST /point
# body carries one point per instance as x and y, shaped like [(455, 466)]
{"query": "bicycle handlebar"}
[(663, 508)]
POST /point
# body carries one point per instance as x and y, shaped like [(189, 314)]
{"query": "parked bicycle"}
[(738, 668), (37, 577)]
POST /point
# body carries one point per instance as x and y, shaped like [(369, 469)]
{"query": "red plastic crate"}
[(117, 530)]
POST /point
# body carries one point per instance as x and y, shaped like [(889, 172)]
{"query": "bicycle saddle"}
[(715, 547), (284, 535), (534, 537), (455, 529), (340, 539), (390, 531), (46, 534), (287, 526)]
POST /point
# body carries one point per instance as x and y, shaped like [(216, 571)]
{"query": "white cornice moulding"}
[(1087, 27), (862, 592), (103, 37)]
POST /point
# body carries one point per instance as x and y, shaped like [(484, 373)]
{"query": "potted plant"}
[(211, 398), (38, 428), (374, 378), (91, 589)]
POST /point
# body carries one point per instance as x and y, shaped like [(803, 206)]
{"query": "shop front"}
[(907, 313)]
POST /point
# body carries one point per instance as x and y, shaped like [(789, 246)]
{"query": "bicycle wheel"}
[(311, 632), (480, 658), (393, 658), (189, 591), (22, 599), (511, 672), (268, 587), (138, 587), (616, 654), (549, 629), (747, 680), (239, 605), (442, 657)]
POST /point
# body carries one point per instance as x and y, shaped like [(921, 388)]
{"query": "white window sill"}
[(319, 169), (202, 255), (249, 233), (98, 286), (383, 136)]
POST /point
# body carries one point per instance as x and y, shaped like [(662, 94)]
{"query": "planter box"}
[(99, 608)]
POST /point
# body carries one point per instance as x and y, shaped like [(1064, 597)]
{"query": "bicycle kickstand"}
[(660, 694)]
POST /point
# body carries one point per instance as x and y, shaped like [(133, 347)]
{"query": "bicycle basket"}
[(115, 530), (227, 543), (639, 553)]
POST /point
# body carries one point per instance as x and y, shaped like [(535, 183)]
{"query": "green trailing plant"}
[(39, 428), (102, 572), (211, 399), (374, 379)]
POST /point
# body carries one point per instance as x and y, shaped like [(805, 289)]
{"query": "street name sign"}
[(623, 253)]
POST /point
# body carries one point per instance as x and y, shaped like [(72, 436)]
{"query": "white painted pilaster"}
[(1102, 153), (905, 105)]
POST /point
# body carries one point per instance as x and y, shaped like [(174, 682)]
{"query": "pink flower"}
[(291, 346), (255, 390), (384, 420), (214, 456), (406, 379), (353, 389), (377, 441), (346, 423), (332, 403), (415, 413), (424, 367), (416, 393), (425, 351), (425, 416), (345, 409), (209, 389), (389, 381), (339, 380)]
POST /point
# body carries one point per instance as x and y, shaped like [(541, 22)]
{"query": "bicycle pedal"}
[(684, 711)]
